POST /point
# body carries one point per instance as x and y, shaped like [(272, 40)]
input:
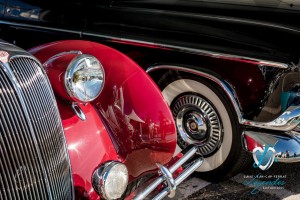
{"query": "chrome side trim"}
[(216, 18), (287, 121), (229, 91), (194, 51), (160, 45), (61, 54), (18, 90), (39, 27)]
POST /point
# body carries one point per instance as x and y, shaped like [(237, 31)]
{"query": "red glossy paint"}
[(89, 146), (245, 78), (55, 68), (251, 143), (132, 107)]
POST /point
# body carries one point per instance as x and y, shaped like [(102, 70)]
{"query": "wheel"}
[(204, 117)]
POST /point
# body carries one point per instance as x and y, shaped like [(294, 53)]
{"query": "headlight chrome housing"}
[(84, 78), (110, 180)]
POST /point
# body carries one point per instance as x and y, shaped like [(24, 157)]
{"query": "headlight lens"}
[(84, 78), (111, 180)]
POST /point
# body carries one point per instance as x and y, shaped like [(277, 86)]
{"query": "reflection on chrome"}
[(84, 78), (287, 146), (287, 121)]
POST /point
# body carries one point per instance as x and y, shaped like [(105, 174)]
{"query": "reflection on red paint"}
[(136, 43), (136, 125)]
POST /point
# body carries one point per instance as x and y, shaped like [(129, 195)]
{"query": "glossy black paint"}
[(271, 33), (258, 30), (267, 33)]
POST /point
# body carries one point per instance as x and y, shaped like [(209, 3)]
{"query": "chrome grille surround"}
[(34, 160)]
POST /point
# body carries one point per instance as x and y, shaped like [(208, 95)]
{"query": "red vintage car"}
[(76, 124), (229, 70)]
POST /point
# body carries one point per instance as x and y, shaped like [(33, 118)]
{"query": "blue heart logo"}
[(263, 157)]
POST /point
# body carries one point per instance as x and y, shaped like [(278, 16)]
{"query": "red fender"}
[(139, 122)]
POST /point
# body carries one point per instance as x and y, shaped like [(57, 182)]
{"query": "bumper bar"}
[(286, 146), (166, 176), (185, 174), (287, 121)]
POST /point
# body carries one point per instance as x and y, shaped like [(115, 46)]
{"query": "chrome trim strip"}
[(210, 17), (194, 51), (222, 84), (173, 47), (39, 27), (285, 122), (62, 54), (18, 90)]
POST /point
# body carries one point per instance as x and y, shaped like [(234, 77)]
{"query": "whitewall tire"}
[(205, 117)]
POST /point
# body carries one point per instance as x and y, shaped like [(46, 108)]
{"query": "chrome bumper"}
[(287, 121), (166, 178), (283, 134), (287, 145)]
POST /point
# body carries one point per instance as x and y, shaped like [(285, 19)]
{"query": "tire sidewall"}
[(223, 159)]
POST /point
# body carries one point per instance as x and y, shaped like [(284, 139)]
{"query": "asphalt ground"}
[(281, 181)]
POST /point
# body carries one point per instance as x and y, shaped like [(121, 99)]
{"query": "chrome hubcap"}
[(197, 123)]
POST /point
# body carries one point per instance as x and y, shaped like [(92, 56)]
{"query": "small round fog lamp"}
[(110, 180), (84, 78)]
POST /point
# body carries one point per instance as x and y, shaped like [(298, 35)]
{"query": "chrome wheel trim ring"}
[(178, 87), (197, 123)]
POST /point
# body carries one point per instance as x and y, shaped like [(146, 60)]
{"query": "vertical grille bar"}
[(46, 107), (15, 185), (34, 162), (38, 87), (24, 141)]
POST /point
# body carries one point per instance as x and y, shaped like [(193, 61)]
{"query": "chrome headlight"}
[(84, 78), (110, 180)]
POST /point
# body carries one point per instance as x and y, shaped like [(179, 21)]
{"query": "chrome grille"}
[(34, 161)]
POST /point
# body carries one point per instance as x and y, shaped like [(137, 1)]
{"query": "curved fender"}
[(89, 146), (139, 121)]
